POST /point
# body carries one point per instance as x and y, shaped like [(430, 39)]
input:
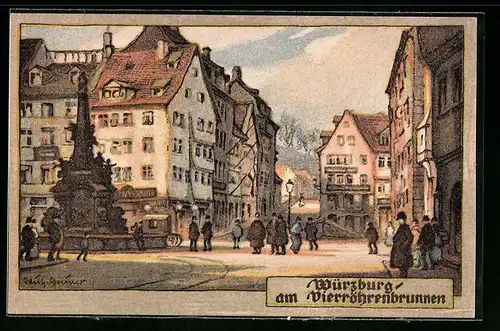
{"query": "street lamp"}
[(194, 208), (289, 189), (147, 208), (178, 209)]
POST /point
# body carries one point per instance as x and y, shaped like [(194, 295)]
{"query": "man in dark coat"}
[(256, 235), (311, 234), (194, 234), (271, 233), (27, 242), (281, 235), (139, 235), (372, 235), (206, 230), (401, 256), (55, 238), (426, 242)]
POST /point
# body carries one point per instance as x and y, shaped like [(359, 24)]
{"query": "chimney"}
[(108, 47), (161, 49), (236, 73), (206, 52)]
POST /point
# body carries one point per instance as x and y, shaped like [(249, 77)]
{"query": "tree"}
[(288, 130), (308, 140)]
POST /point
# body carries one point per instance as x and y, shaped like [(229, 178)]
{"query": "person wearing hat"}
[(312, 234), (194, 234), (372, 235), (401, 255), (206, 230), (237, 234)]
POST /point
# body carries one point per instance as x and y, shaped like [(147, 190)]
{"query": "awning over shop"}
[(156, 217)]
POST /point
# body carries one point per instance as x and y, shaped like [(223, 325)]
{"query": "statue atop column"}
[(84, 191)]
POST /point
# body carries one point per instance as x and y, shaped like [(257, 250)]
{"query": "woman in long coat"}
[(401, 256), (271, 234), (281, 235), (256, 235), (295, 235)]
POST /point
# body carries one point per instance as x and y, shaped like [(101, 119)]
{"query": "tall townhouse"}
[(228, 141), (254, 116), (154, 120), (440, 133), (354, 171), (48, 104), (406, 111)]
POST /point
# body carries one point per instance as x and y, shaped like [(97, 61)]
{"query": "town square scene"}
[(177, 158)]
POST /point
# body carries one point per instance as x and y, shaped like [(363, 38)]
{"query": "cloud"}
[(219, 38), (273, 49), (347, 71)]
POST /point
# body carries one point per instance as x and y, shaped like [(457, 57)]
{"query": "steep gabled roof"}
[(397, 57), (140, 70), (28, 49), (370, 126), (56, 82), (147, 39)]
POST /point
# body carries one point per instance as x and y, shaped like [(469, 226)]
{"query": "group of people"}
[(276, 234), (420, 246), (29, 243), (194, 234)]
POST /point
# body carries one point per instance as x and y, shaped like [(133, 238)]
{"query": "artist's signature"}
[(52, 281)]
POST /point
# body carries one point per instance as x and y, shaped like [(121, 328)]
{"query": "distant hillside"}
[(297, 159)]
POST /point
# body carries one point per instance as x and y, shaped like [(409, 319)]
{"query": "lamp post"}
[(194, 208), (289, 189), (178, 209)]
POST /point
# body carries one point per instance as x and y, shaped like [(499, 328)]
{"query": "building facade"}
[(153, 118), (255, 117), (48, 104), (444, 125), (406, 111), (355, 171)]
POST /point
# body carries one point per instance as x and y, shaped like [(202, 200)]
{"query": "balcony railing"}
[(347, 187), (384, 201), (219, 185)]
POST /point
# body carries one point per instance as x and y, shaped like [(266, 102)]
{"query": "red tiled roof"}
[(371, 125), (140, 69)]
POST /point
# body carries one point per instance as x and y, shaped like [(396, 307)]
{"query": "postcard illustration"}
[(194, 165)]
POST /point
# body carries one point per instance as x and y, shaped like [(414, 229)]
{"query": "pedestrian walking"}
[(139, 235), (271, 233), (371, 235), (415, 248), (312, 234), (281, 238), (401, 257), (206, 230), (389, 235), (296, 236), (194, 234), (441, 238), (56, 239), (426, 242), (84, 247), (27, 243), (237, 234), (256, 235)]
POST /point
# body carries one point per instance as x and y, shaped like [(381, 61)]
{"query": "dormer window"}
[(159, 87), (116, 91), (173, 60), (384, 140), (35, 77)]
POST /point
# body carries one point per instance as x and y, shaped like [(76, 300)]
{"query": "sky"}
[(311, 73)]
